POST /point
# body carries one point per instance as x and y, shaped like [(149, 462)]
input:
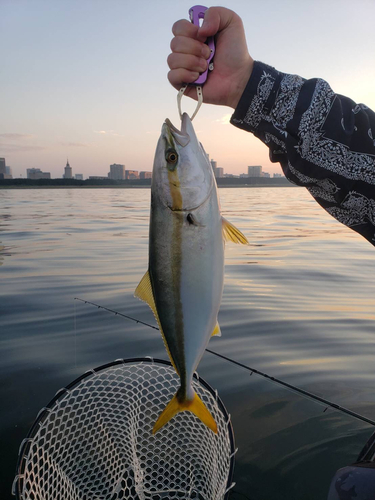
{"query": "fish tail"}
[(180, 403)]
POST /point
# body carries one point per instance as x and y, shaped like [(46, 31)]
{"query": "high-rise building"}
[(5, 172), (145, 175), (36, 173), (68, 171), (214, 166), (117, 171), (131, 174), (78, 177), (3, 169), (254, 171), (219, 172)]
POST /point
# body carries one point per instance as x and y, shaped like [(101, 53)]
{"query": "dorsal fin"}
[(231, 233)]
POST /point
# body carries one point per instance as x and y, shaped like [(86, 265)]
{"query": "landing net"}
[(94, 440)]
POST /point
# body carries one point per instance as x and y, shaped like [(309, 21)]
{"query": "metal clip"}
[(199, 104)]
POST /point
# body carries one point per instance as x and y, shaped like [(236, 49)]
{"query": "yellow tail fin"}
[(177, 404)]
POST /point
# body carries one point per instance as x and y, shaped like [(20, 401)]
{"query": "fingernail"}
[(203, 64), (205, 52)]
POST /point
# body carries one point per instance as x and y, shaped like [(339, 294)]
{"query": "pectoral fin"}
[(145, 293), (231, 233), (216, 331)]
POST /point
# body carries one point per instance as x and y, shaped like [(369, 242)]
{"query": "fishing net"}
[(94, 440)]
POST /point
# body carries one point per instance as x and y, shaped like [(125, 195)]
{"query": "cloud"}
[(108, 132), (74, 144), (17, 148), (15, 137), (18, 143), (224, 120)]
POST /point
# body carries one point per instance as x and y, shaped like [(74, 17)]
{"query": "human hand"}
[(232, 62)]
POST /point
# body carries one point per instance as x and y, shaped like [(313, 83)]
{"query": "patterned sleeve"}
[(322, 140)]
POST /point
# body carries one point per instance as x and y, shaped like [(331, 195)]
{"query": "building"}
[(277, 176), (265, 174), (3, 170), (117, 171), (97, 177), (219, 172), (79, 177), (131, 174), (145, 175), (214, 166), (68, 171), (36, 173), (254, 171)]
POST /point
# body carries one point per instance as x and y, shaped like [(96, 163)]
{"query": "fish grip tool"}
[(94, 440), (196, 13)]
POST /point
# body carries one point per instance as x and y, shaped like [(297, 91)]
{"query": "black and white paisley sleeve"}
[(322, 140)]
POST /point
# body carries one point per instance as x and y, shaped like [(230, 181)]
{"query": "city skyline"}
[(77, 84), (118, 171)]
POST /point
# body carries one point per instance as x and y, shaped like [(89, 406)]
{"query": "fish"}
[(184, 282)]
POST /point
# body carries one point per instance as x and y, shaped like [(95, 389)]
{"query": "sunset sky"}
[(87, 79)]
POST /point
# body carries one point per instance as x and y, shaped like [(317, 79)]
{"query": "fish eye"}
[(171, 156)]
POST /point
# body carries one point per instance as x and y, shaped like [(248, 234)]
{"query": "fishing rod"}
[(307, 394)]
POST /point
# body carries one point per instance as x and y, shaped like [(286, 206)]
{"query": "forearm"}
[(322, 140)]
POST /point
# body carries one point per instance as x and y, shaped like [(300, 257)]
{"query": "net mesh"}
[(94, 441)]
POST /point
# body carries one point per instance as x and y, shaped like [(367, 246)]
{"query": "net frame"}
[(201, 386)]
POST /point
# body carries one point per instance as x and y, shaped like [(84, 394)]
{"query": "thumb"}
[(215, 19)]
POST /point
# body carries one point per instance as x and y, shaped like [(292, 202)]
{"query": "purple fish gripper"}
[(196, 13)]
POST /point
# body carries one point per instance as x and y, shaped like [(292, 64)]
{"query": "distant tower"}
[(3, 169), (254, 171), (117, 171), (68, 171)]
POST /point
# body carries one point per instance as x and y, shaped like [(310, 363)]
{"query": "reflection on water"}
[(298, 304)]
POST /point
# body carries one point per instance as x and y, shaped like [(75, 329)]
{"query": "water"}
[(298, 304)]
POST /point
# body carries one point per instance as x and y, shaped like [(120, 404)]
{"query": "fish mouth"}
[(181, 136)]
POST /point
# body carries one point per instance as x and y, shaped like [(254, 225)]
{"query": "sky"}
[(87, 79)]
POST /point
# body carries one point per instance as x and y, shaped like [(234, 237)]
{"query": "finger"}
[(185, 45), (217, 19), (187, 61), (180, 76), (185, 28)]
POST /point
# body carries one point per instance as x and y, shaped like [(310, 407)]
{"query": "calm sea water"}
[(298, 304)]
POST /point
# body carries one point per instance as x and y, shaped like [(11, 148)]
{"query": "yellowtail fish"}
[(184, 282)]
